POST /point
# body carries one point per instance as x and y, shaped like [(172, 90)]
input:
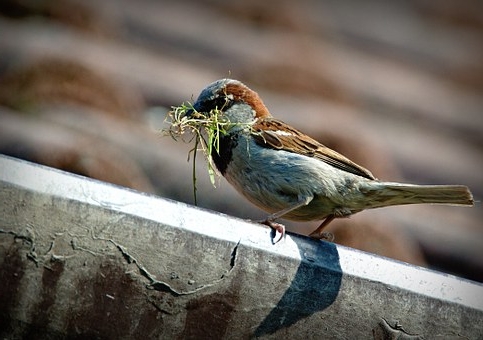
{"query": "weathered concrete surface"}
[(80, 258)]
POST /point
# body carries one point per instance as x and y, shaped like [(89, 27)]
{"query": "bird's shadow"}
[(314, 287)]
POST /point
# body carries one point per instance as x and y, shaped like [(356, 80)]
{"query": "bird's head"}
[(232, 99)]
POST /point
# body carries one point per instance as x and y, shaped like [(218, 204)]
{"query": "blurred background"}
[(397, 86)]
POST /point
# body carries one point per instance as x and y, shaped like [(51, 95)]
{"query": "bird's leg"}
[(270, 220), (319, 235)]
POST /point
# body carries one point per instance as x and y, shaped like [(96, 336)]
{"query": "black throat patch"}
[(223, 158)]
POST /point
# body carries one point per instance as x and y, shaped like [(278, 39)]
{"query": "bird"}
[(292, 176)]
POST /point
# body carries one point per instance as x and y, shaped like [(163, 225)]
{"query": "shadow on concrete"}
[(314, 288)]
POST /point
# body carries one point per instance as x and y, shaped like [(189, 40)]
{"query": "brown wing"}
[(276, 134)]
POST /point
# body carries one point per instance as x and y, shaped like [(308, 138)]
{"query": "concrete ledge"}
[(81, 258)]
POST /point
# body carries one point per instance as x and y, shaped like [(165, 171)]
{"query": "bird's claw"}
[(326, 236), (275, 227)]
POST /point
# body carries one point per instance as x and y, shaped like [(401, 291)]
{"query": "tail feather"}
[(400, 194)]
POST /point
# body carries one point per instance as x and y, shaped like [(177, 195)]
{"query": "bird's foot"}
[(326, 236), (318, 234), (275, 227)]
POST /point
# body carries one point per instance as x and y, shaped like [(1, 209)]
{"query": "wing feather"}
[(275, 134)]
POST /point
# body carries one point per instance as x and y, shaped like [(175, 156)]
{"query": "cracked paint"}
[(164, 286)]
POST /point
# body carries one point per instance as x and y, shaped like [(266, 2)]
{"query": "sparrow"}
[(292, 176)]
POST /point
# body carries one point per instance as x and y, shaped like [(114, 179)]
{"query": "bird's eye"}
[(222, 101)]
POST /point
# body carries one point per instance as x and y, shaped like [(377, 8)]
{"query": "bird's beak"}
[(189, 112), (195, 108)]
